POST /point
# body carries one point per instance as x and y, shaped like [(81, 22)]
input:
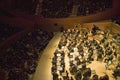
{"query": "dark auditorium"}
[(59, 39)]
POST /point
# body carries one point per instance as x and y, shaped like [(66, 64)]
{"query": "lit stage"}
[(49, 61)]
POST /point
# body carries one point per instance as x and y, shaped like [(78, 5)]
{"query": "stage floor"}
[(43, 70)]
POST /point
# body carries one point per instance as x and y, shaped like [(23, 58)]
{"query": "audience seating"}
[(93, 6), (63, 8), (7, 30), (56, 8), (19, 59)]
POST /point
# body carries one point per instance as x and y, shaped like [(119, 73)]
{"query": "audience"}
[(63, 8), (7, 30), (20, 59), (93, 6), (56, 8)]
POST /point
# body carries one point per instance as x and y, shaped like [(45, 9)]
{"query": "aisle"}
[(43, 70), (74, 11)]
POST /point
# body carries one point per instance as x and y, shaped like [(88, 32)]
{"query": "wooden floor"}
[(43, 71)]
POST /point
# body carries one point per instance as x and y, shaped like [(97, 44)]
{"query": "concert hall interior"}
[(59, 40)]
